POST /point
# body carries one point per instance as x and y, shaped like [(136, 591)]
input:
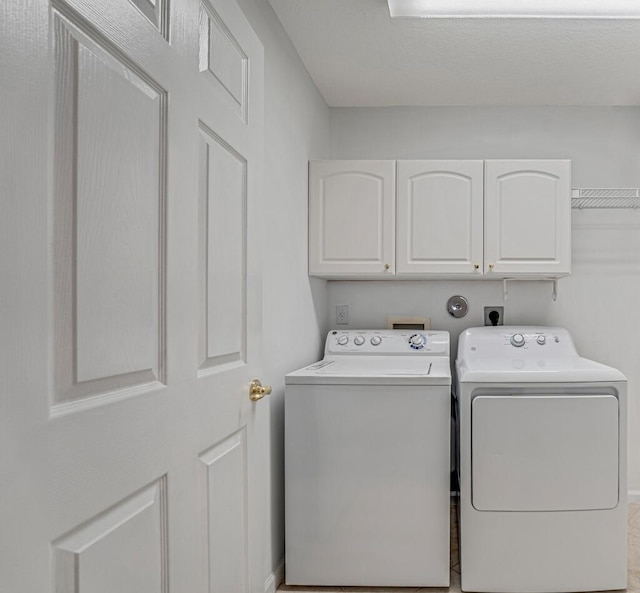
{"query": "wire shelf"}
[(605, 198)]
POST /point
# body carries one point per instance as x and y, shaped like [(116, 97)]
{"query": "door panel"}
[(544, 453), (95, 556), (223, 60), (223, 232), (109, 203), (225, 492), (130, 454), (157, 11)]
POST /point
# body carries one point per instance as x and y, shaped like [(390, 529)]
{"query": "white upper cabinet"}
[(439, 217), (527, 216), (352, 219), (455, 219)]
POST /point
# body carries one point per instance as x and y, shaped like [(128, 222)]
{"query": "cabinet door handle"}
[(476, 266), (491, 266), (386, 266)]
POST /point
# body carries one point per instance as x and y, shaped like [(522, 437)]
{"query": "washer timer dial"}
[(358, 340), (343, 340)]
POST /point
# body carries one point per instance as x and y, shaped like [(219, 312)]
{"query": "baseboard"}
[(275, 578), (633, 496)]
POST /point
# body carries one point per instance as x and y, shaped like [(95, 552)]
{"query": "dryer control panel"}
[(387, 342), (516, 341)]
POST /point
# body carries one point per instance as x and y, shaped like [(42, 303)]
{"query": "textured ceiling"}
[(358, 56)]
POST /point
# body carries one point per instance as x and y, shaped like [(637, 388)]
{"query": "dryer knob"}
[(358, 340), (343, 340), (517, 340), (416, 341), (376, 341), (542, 340)]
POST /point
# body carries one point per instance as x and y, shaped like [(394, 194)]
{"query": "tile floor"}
[(633, 585)]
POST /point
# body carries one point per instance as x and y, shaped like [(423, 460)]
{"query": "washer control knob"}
[(376, 341), (517, 340), (542, 340), (358, 340), (343, 340), (416, 341)]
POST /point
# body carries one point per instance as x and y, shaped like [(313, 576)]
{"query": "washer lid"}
[(374, 370)]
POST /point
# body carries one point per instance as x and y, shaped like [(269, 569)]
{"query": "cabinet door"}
[(527, 215), (352, 218), (439, 217)]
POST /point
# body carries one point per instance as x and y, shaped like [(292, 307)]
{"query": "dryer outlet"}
[(494, 315)]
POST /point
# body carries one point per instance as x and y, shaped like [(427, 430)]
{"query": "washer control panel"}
[(417, 341), (388, 342)]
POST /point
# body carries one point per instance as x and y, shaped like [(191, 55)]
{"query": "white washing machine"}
[(543, 492), (367, 462)]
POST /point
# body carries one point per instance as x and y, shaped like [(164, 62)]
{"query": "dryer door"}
[(544, 452)]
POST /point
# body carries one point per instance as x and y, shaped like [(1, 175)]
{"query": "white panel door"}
[(352, 218), (527, 217), (439, 217), (131, 456)]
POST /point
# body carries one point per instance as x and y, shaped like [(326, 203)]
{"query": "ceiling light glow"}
[(518, 9)]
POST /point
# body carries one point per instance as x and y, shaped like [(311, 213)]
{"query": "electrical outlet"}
[(342, 314), (490, 315)]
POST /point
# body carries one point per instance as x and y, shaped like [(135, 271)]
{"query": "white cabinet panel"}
[(439, 209), (352, 218), (527, 217)]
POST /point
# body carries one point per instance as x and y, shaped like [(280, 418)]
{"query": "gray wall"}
[(598, 303)]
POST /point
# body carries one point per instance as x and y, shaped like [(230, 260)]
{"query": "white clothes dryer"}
[(367, 462), (542, 468)]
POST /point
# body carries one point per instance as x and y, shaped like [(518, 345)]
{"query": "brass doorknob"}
[(257, 390)]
